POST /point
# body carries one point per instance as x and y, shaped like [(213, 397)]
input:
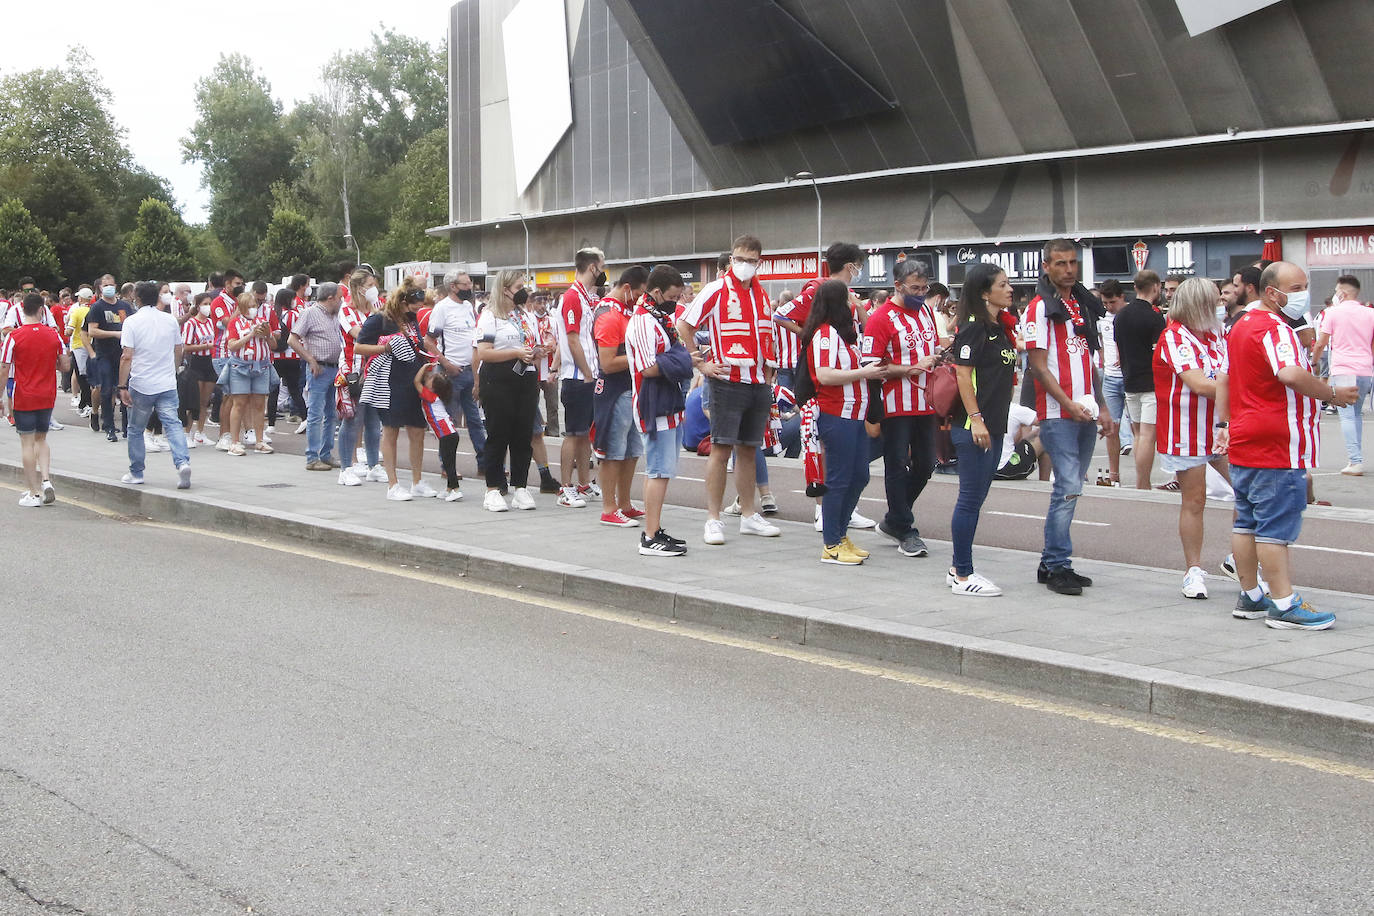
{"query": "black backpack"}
[(1020, 465)]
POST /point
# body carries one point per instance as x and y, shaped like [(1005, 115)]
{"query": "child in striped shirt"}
[(435, 388)]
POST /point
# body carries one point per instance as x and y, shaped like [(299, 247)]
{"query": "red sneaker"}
[(632, 512), (618, 520)]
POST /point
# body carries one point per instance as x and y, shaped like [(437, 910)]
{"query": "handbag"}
[(942, 389)]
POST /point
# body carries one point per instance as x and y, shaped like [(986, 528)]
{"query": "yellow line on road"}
[(786, 651)]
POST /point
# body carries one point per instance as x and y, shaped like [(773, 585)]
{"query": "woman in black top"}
[(985, 357)]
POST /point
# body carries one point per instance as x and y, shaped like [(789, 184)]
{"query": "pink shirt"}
[(1351, 326)]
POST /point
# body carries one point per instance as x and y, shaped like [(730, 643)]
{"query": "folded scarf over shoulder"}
[(1088, 304), (746, 328)]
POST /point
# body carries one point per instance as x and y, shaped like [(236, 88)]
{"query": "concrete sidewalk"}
[(1131, 641)]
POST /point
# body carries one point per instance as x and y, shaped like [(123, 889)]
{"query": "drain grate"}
[(275, 486)]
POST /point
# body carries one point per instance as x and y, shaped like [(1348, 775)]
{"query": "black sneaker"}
[(1042, 575), (912, 546), (111, 437), (664, 534), (660, 545), (1064, 582), (548, 483)]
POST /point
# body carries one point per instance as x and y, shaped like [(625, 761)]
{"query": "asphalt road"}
[(192, 724), (1332, 553)]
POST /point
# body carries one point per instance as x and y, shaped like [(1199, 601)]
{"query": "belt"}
[(330, 365)]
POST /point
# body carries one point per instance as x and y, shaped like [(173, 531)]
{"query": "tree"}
[(136, 184), (421, 202), (243, 147), (290, 246), (159, 246), (398, 88), (208, 251), (76, 218), (62, 111), (24, 250)]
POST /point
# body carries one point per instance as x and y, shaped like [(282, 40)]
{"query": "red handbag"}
[(942, 389)]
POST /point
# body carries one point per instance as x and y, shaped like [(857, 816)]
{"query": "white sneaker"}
[(1228, 566), (200, 439), (29, 501), (714, 533), (301, 429), (150, 443), (423, 490), (223, 444), (49, 494), (76, 401), (975, 586), (360, 471), (495, 502), (756, 524), (819, 525), (267, 436), (733, 508), (1195, 583), (250, 437), (162, 444), (348, 479), (54, 426), (594, 489), (859, 521), (453, 496), (521, 498), (376, 474), (1350, 470), (85, 411), (130, 477), (399, 493), (269, 430), (191, 442), (569, 499), (184, 476)]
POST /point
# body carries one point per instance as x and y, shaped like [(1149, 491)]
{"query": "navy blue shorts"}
[(28, 422), (1269, 503), (576, 396)]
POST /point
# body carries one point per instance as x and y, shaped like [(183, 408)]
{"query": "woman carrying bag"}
[(508, 384)]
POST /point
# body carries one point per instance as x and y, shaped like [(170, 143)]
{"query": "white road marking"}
[(1041, 518), (1353, 553)]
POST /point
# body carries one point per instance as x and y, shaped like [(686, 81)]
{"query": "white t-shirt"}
[(504, 333), (456, 321), (153, 335)]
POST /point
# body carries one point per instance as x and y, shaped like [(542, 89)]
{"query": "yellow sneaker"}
[(854, 548), (840, 555)]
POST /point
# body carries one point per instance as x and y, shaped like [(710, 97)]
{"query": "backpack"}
[(1020, 465)]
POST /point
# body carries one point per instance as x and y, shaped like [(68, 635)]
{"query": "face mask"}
[(1296, 306), (205, 311), (465, 295), (912, 301), (743, 272), (521, 297), (1221, 313), (108, 292), (600, 279), (238, 290), (168, 298), (371, 295)]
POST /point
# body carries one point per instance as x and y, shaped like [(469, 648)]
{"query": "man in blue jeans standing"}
[(451, 337), (151, 340), (1061, 337), (319, 339)]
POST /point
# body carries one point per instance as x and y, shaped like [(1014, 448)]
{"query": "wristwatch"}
[(1222, 425)]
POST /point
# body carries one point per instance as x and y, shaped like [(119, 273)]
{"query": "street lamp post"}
[(521, 217), (820, 247)]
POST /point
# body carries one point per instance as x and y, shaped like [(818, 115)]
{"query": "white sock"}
[(1255, 593), (1284, 604)]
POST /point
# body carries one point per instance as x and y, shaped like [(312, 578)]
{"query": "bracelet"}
[(976, 413), (1333, 392)]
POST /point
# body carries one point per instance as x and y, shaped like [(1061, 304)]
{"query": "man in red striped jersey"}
[(1061, 338), (1273, 401), (903, 333)]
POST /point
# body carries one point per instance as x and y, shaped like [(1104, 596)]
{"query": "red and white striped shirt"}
[(1184, 423), (709, 308), (350, 318), (829, 351), (436, 414), (1272, 426), (1068, 358), (789, 347), (575, 318), (903, 338), (222, 311), (257, 348), (645, 338), (198, 331), (288, 322)]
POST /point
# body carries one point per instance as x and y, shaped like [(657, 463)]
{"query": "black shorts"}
[(739, 412), (28, 422), (201, 368), (576, 396)]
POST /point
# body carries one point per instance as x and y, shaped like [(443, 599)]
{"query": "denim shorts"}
[(1173, 464), (661, 450), (1269, 502), (248, 377), (28, 422), (576, 396), (624, 441)]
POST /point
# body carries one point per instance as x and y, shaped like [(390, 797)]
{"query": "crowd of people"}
[(1187, 375)]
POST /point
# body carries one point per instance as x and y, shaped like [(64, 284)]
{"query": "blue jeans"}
[(1352, 420), (320, 416), (1114, 390), (976, 467), (165, 404), (366, 416), (463, 402), (1069, 445), (102, 373), (846, 473)]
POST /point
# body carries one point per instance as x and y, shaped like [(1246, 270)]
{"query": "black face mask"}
[(600, 279), (521, 298), (238, 290), (465, 295)]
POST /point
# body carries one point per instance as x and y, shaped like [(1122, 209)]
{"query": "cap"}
[(84, 293)]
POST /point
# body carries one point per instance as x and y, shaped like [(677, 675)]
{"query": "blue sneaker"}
[(1300, 616), (1247, 609)]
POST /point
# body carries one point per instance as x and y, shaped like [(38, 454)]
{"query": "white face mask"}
[(205, 311), (168, 298), (1296, 306), (108, 292), (371, 295), (743, 272), (1221, 313)]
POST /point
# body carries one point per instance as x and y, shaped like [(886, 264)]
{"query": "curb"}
[(1258, 712)]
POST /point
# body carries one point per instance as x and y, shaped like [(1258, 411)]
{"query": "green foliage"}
[(397, 88), (76, 218), (290, 246), (421, 202), (24, 249), (208, 252), (241, 142), (159, 247), (135, 185)]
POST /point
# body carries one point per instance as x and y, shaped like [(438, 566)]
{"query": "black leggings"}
[(448, 459), (509, 402), (290, 372)]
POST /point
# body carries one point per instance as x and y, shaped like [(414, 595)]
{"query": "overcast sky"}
[(150, 55)]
